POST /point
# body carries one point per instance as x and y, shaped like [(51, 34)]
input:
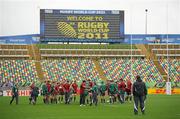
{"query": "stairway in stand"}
[(35, 55), (99, 69), (149, 55)]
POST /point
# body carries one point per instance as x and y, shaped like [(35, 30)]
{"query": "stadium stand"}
[(171, 66), (44, 64), (14, 51), (121, 68), (164, 50), (83, 50), (21, 71), (69, 69)]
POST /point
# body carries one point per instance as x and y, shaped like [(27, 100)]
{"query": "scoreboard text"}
[(82, 24)]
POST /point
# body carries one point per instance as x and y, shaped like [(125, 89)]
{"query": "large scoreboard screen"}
[(81, 25)]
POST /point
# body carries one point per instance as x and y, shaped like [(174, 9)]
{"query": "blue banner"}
[(134, 39), (151, 38), (20, 39)]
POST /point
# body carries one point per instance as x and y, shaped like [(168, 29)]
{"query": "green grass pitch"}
[(157, 107)]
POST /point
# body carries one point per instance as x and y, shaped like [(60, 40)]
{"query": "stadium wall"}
[(22, 16), (150, 91)]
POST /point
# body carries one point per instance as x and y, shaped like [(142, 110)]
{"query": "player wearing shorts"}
[(116, 91), (31, 90), (112, 91), (82, 93), (61, 92), (74, 86), (44, 92), (34, 95), (88, 91), (128, 90), (94, 94), (48, 96), (71, 92), (102, 89), (52, 92), (67, 91), (55, 92), (121, 90)]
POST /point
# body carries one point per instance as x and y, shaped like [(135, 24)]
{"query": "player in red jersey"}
[(121, 90), (74, 86), (82, 93), (31, 89), (128, 90), (52, 91), (90, 83), (89, 97), (61, 92), (32, 85), (56, 92), (67, 91), (48, 85)]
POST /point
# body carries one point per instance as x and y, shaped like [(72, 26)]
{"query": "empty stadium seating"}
[(14, 51), (21, 71), (172, 67), (24, 71), (115, 69), (84, 50), (69, 69)]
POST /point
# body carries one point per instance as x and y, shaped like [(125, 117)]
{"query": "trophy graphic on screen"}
[(66, 30)]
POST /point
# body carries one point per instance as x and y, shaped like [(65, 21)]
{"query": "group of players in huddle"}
[(66, 91)]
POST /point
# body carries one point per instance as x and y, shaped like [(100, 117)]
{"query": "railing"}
[(85, 46), (14, 51), (90, 53), (166, 51), (171, 50), (163, 46)]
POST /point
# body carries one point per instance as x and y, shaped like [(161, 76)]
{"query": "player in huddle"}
[(128, 90), (66, 87), (55, 92), (33, 94), (82, 93), (44, 92), (102, 90), (112, 92), (75, 87), (61, 92), (95, 92), (121, 90)]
